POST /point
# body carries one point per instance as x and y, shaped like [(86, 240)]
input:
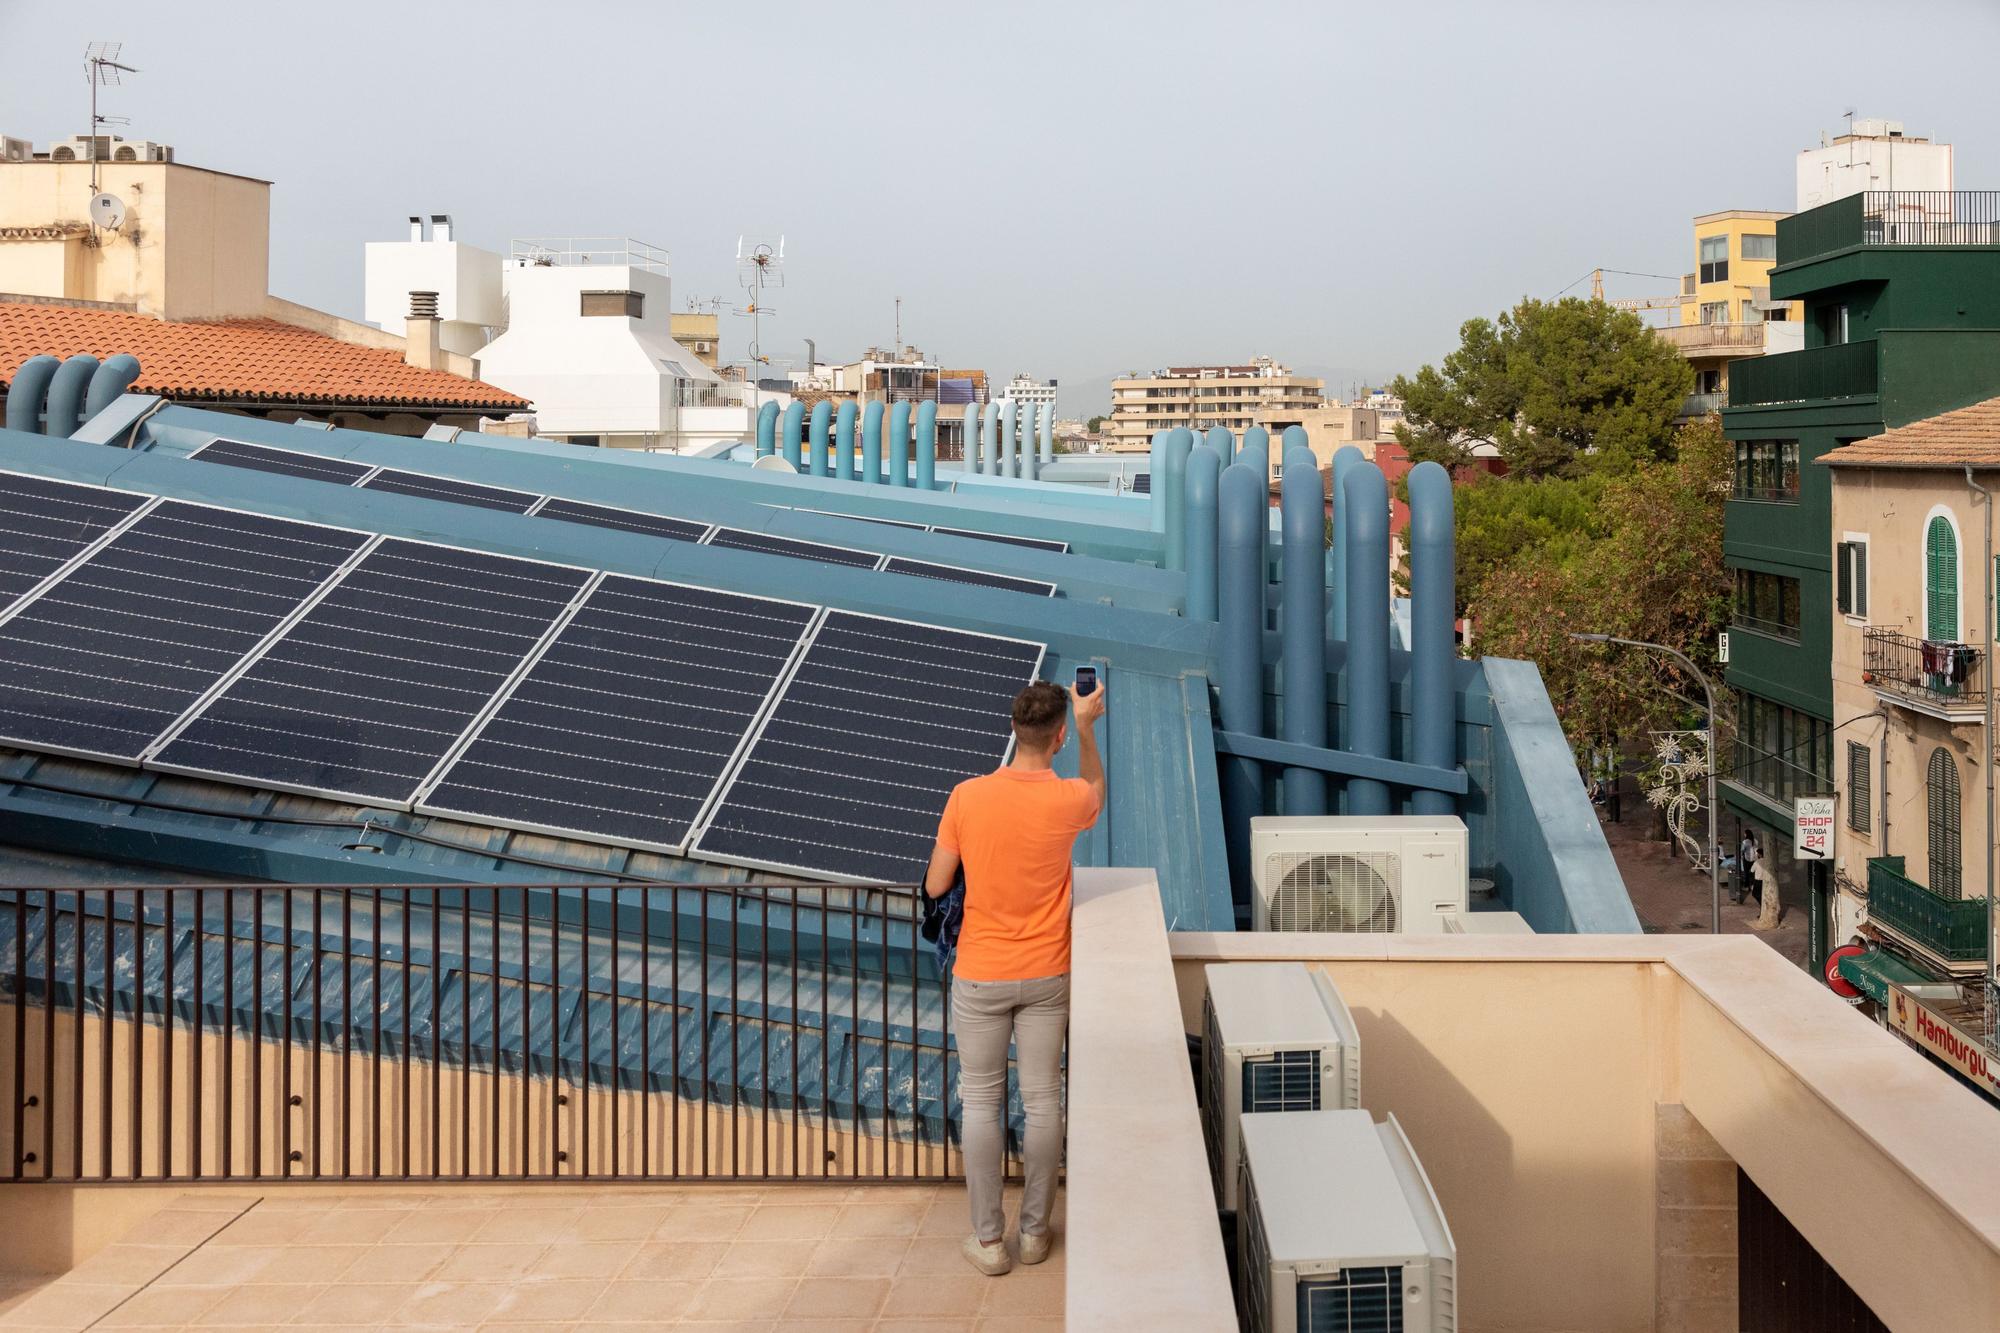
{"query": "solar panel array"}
[(295, 656), (46, 524), (262, 458)]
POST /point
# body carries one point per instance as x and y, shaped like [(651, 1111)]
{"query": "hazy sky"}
[(1073, 189)]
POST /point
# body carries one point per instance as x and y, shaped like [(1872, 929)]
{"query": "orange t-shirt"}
[(1013, 830)]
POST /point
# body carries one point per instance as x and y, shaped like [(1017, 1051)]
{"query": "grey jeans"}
[(985, 1016)]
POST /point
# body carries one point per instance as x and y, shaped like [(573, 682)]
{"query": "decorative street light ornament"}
[(1683, 758)]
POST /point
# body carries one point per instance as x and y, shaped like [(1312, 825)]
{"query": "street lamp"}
[(1714, 868)]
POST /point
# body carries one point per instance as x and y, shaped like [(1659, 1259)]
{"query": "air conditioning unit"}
[(1488, 923), (16, 150), (143, 150), (1389, 874), (1275, 1037), (1340, 1229), (704, 347)]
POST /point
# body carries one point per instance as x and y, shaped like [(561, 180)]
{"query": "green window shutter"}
[(1940, 583), (1858, 803), (1942, 797), (1843, 578), (1861, 579)]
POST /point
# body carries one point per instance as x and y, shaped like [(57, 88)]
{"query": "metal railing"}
[(571, 251), (1701, 404), (1954, 929), (1693, 339), (1843, 370), (1776, 629), (1891, 217), (1924, 669), (523, 1033)]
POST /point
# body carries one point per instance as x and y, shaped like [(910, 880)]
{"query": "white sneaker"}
[(1034, 1249), (992, 1260)]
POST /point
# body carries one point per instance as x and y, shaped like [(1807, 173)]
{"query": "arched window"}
[(1941, 795), (1941, 581)]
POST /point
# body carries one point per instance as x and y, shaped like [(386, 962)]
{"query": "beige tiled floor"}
[(830, 1258)]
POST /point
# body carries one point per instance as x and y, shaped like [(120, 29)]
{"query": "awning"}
[(1871, 973)]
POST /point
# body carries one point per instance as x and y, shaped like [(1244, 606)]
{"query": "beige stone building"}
[(1203, 397), (1911, 671), (700, 331)]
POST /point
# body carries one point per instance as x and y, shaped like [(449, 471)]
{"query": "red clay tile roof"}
[(240, 361), (1969, 435)]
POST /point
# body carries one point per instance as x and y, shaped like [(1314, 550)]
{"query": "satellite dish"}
[(772, 463), (107, 211)]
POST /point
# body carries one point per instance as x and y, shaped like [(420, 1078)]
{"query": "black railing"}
[(1843, 370), (1891, 217), (1926, 670), (540, 1032)]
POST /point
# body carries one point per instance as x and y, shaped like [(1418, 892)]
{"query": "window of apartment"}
[(1940, 581), (1850, 577), (1767, 470), (1858, 803), (1767, 603), (1751, 315), (1760, 247), (1780, 751), (628, 304), (1714, 259), (1715, 312), (1708, 381), (1833, 325), (1941, 799)]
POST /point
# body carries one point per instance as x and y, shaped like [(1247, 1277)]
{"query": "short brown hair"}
[(1038, 711)]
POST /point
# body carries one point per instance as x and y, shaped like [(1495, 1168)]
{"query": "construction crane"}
[(1633, 303)]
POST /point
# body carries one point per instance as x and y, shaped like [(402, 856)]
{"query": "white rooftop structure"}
[(465, 278), (1872, 155)]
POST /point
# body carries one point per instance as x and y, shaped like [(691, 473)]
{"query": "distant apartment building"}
[(1028, 390), (700, 331), (1202, 397), (1726, 311), (1872, 155)]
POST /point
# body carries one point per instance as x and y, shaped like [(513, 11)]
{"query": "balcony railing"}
[(1891, 217), (1844, 370), (652, 1032), (1698, 339), (1701, 404), (1953, 929), (1947, 675)]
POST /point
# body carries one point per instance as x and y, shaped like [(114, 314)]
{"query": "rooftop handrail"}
[(1891, 217), (659, 1031), (574, 251)]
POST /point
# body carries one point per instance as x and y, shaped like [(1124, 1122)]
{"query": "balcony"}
[(1891, 217), (1946, 680), (1691, 340), (1951, 931), (1845, 370), (1700, 405)]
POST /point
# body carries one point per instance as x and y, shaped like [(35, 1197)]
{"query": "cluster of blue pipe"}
[(1211, 500), (824, 445), (1010, 438), (52, 397)]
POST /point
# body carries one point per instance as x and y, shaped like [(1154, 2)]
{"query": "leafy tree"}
[(1559, 387), (1648, 565), (1094, 425)]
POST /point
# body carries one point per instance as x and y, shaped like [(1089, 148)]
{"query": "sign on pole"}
[(1812, 828)]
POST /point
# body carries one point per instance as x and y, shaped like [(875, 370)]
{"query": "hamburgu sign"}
[(1920, 1024)]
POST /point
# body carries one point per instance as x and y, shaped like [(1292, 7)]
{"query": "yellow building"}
[(1726, 308), (1203, 397), (701, 333)]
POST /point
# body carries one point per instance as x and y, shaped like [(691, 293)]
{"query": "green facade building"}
[(1902, 312)]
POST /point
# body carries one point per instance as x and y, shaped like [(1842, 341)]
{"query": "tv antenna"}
[(101, 70), (759, 265)]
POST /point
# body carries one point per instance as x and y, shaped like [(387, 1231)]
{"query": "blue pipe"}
[(1433, 590), (1255, 455), (1223, 441), (66, 390), (1240, 658), (1294, 437), (1156, 472), (989, 441), (113, 378), (927, 444), (843, 441), (1367, 702), (1010, 440), (29, 391), (794, 427), (871, 445), (1256, 438), (1303, 621), (822, 423), (1204, 476), (1174, 455), (767, 430), (1345, 459), (899, 443), (1031, 447), (971, 450), (1048, 432)]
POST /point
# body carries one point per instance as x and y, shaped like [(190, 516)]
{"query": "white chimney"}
[(416, 229), (420, 339), (440, 226)]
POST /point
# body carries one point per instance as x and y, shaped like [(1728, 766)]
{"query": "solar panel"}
[(45, 524), (1034, 543), (108, 657), (366, 693), (737, 539), (287, 462), (1142, 484), (923, 569), (452, 492), (879, 722), (631, 520), (860, 518), (624, 725)]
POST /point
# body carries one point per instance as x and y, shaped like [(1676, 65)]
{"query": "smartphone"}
[(1086, 680)]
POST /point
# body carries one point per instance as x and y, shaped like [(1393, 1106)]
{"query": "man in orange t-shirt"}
[(1012, 831)]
